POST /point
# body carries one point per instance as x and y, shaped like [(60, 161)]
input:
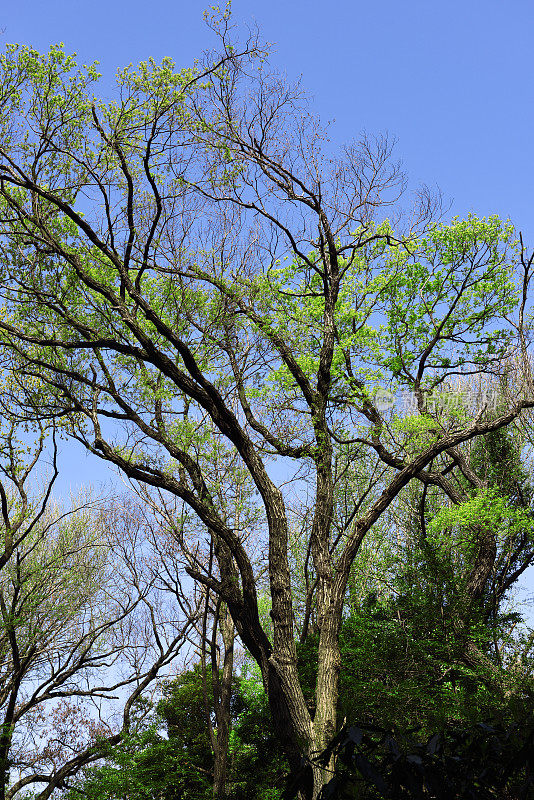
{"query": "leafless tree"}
[(83, 632)]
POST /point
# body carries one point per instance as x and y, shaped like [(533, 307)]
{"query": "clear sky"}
[(452, 81)]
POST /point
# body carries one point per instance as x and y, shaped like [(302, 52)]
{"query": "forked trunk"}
[(302, 736)]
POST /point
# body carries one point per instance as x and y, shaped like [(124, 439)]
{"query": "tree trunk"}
[(222, 692), (302, 737)]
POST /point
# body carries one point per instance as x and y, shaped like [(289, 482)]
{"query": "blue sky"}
[(452, 81)]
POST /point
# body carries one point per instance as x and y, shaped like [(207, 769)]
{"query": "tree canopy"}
[(190, 279)]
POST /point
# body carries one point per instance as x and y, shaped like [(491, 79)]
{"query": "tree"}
[(452, 573), (80, 634), (187, 252), (399, 669), (419, 646), (168, 754), (177, 539)]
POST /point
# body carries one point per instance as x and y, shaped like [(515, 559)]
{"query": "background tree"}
[(169, 754), (179, 543), (79, 627), (404, 654)]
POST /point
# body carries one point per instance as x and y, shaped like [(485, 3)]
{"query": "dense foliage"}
[(169, 756), (468, 762)]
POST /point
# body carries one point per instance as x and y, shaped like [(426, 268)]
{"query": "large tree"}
[(188, 274)]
